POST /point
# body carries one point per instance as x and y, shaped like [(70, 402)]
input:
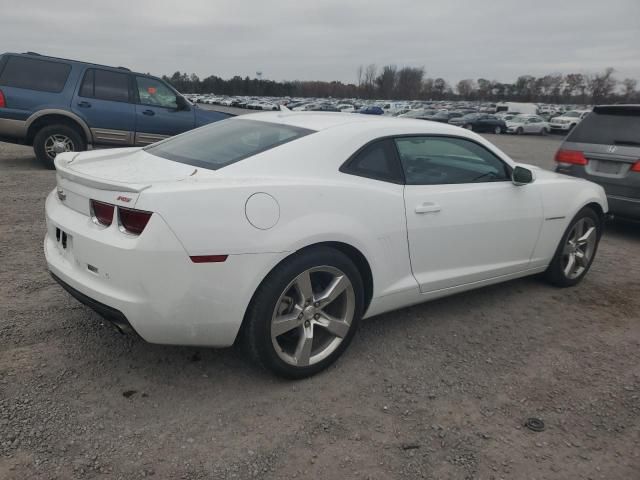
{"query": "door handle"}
[(151, 113), (428, 207), (84, 104)]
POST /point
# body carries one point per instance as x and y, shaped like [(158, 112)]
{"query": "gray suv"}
[(605, 148)]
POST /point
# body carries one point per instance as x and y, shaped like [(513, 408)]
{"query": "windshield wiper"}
[(630, 143)]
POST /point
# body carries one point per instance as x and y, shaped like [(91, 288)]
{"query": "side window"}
[(105, 85), (448, 160), (377, 160), (154, 92), (34, 74)]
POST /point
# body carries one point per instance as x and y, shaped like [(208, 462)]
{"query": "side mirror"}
[(521, 176), (182, 103)]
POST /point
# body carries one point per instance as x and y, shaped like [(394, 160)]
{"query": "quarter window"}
[(105, 85), (33, 74), (448, 160), (154, 92), (378, 161)]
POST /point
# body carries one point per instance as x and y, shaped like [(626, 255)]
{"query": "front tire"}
[(577, 249), (305, 313), (519, 131), (54, 139)]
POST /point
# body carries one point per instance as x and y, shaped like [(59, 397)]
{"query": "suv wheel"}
[(54, 139), (305, 313), (577, 249)]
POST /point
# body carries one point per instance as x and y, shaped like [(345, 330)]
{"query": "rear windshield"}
[(225, 142), (34, 74), (612, 126)]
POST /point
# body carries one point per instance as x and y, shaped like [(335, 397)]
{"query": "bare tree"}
[(409, 82), (386, 81), (466, 88), (370, 79), (601, 85), (629, 88)]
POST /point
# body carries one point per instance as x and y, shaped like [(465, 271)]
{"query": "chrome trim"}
[(148, 138), (13, 128), (555, 218), (120, 137)]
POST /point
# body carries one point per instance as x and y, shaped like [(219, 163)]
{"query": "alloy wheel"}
[(312, 316), (58, 143), (579, 248)]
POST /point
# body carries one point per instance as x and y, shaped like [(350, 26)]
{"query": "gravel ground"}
[(439, 390)]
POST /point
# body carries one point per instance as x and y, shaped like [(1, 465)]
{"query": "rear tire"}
[(281, 318), (574, 256), (57, 138)]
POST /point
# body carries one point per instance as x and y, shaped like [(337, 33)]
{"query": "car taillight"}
[(133, 221), (573, 157), (102, 212), (636, 167), (3, 102)]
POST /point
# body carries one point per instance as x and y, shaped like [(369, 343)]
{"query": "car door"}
[(159, 112), (533, 125), (104, 100), (466, 220)]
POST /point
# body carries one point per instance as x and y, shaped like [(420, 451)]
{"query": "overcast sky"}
[(328, 39)]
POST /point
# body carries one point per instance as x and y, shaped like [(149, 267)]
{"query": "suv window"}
[(447, 160), (377, 160), (105, 85), (154, 92), (34, 74), (222, 143), (609, 126)]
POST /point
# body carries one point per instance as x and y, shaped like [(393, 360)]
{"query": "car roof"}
[(325, 120), (38, 56)]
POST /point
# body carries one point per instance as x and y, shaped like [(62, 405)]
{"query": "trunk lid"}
[(112, 176)]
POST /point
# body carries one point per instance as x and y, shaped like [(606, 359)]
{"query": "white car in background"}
[(568, 120), (521, 124), (346, 108), (285, 229)]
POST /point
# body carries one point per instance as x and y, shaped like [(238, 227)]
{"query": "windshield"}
[(222, 143), (518, 119), (572, 114)]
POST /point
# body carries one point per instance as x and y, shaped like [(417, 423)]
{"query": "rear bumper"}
[(113, 316), (624, 207), (149, 282)]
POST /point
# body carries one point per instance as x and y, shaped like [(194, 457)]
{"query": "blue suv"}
[(60, 105)]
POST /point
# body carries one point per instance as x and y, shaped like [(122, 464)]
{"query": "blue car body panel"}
[(102, 121)]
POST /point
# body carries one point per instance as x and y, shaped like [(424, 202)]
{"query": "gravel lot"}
[(440, 390)]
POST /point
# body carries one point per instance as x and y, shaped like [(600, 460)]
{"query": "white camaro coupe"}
[(284, 229)]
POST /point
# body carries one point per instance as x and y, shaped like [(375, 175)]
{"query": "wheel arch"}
[(353, 253), (52, 117)]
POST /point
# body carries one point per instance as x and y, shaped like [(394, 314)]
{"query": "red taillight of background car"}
[(102, 212), (636, 167), (133, 221), (3, 102), (573, 157)]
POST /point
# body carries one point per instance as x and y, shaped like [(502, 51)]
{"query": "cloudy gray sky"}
[(328, 39)]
